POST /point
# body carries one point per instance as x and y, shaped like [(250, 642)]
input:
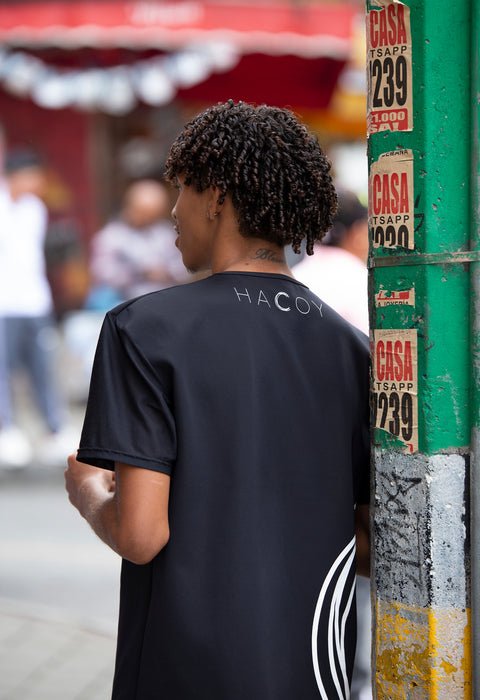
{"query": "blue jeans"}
[(28, 344)]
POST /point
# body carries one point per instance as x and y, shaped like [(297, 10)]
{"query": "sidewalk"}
[(57, 637), (44, 656), (46, 651)]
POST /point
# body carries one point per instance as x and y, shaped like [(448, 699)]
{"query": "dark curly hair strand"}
[(268, 162)]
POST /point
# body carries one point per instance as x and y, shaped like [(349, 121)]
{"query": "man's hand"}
[(127, 509), (83, 480)]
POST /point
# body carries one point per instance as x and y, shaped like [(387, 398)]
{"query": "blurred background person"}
[(2, 151), (26, 312), (4, 388), (135, 253), (337, 273)]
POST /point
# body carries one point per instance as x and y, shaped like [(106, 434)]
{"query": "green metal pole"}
[(475, 343), (419, 210)]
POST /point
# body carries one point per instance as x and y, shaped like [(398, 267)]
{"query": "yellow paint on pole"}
[(422, 653)]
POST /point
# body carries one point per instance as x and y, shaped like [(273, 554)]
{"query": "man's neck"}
[(255, 255), (232, 251)]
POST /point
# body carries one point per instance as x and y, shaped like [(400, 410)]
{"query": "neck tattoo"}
[(268, 255)]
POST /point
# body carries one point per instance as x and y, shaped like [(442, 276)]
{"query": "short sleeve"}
[(129, 417)]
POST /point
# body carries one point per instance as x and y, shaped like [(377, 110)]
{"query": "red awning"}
[(307, 29), (285, 81)]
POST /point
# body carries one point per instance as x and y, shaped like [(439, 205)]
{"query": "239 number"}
[(389, 81), (394, 413)]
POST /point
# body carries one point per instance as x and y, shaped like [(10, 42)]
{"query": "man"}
[(26, 310), (135, 253), (234, 411)]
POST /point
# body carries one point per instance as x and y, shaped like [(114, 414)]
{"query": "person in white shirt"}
[(26, 302), (337, 271), (4, 389)]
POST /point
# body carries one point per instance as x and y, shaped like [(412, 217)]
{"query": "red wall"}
[(62, 138)]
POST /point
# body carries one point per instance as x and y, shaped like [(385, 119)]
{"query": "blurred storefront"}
[(101, 88)]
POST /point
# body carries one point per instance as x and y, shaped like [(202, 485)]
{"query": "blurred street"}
[(58, 588), (58, 595)]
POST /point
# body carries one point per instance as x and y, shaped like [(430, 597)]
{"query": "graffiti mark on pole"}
[(389, 68), (395, 384), (400, 528), (419, 216), (391, 203)]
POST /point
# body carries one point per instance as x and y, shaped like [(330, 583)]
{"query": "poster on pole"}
[(389, 67), (403, 297), (395, 384), (391, 200)]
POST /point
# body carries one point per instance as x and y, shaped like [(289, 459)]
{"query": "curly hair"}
[(268, 162)]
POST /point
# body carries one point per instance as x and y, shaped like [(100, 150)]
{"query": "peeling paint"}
[(421, 577), (422, 653), (448, 667), (420, 531)]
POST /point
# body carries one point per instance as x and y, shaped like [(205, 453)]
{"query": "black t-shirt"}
[(253, 395)]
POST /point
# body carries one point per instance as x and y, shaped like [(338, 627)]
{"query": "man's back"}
[(253, 396), (235, 413)]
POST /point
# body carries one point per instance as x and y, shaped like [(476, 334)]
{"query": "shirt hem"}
[(106, 459)]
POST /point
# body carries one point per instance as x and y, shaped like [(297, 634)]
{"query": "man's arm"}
[(362, 531), (128, 510)]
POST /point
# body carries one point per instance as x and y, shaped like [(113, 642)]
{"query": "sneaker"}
[(15, 449)]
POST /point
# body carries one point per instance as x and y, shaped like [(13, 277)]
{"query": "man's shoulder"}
[(164, 302), (164, 319)]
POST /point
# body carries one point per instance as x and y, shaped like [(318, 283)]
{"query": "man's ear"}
[(216, 201)]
